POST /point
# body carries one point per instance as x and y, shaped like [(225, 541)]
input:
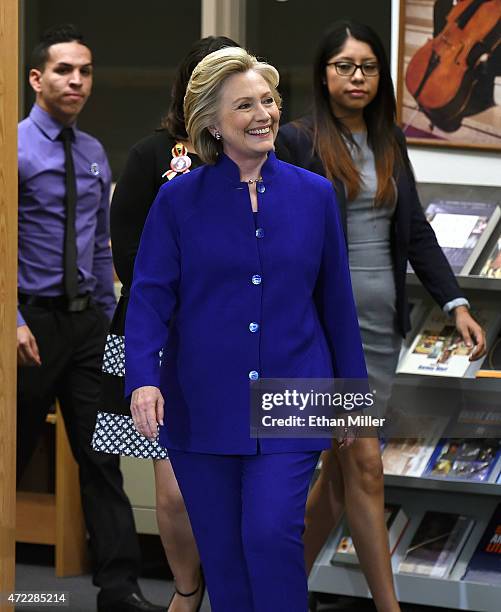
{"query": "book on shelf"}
[(462, 229), (418, 309), (396, 522), (345, 549), (488, 374), (410, 456), (464, 459), (492, 367), (492, 265), (438, 349), (437, 544), (485, 563)]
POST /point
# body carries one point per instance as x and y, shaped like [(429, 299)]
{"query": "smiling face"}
[(349, 95), (64, 85), (248, 117)]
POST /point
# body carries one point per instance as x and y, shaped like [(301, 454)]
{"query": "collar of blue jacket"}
[(226, 168)]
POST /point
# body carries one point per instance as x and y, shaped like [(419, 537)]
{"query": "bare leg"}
[(177, 537), (353, 477), (364, 499), (324, 508)]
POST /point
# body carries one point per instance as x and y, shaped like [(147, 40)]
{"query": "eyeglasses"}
[(348, 69)]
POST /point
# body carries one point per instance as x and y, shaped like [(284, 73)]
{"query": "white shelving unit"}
[(416, 496), (441, 396)]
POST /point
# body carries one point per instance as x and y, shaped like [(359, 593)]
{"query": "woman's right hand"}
[(147, 408)]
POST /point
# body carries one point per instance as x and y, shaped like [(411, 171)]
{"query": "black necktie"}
[(70, 238)]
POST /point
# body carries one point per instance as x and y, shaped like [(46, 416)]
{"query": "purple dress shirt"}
[(42, 212)]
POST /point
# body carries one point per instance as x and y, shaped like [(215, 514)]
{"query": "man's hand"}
[(470, 331), (27, 348), (147, 408)]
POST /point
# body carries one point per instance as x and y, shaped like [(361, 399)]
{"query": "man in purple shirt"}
[(66, 300)]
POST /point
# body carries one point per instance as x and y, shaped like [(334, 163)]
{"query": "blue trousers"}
[(247, 514)]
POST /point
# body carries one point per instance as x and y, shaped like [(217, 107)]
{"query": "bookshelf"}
[(441, 396), (444, 486), (450, 593), (467, 283)]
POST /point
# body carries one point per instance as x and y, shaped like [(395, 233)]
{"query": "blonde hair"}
[(201, 102)]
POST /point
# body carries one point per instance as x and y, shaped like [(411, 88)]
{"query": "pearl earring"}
[(217, 135)]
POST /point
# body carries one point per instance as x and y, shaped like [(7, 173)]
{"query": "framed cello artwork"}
[(449, 73)]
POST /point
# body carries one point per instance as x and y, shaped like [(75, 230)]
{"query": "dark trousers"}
[(71, 349), (247, 514)]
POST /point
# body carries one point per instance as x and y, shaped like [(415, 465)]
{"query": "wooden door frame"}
[(8, 290)]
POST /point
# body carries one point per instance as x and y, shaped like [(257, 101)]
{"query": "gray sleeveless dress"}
[(371, 269)]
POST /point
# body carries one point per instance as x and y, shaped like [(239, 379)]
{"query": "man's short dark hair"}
[(66, 32)]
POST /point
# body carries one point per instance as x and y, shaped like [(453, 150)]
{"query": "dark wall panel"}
[(136, 47), (286, 34)]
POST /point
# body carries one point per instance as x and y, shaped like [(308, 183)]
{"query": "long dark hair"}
[(173, 121), (329, 132)]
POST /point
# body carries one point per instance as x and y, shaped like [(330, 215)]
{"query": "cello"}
[(443, 73)]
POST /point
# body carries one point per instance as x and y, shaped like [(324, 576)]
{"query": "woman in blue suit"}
[(241, 273)]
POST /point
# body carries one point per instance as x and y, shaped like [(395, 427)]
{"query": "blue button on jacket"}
[(192, 296)]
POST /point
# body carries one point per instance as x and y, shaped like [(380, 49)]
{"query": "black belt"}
[(58, 302)]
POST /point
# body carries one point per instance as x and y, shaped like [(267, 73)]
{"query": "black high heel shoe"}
[(200, 587)]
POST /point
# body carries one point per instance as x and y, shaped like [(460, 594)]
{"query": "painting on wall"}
[(449, 76)]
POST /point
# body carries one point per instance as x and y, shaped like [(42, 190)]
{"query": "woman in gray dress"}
[(352, 139)]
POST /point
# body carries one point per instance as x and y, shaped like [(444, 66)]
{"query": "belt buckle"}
[(78, 304)]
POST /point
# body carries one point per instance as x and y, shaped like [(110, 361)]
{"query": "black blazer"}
[(137, 187), (412, 238), (142, 177)]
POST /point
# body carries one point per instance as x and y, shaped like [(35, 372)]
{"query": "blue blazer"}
[(205, 272)]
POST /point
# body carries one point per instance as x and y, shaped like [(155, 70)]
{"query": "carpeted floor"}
[(35, 572), (80, 591)]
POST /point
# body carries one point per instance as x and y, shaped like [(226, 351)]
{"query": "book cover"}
[(485, 564), (488, 374), (462, 229), (396, 522), (437, 544), (464, 459), (406, 456), (345, 549), (492, 265), (410, 456), (418, 309), (438, 350)]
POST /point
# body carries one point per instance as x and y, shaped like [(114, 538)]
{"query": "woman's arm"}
[(133, 196), (153, 296), (425, 255), (434, 271)]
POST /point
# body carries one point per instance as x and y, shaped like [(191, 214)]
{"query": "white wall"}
[(436, 165)]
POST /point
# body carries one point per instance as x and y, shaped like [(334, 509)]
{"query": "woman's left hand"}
[(147, 410), (471, 332)]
